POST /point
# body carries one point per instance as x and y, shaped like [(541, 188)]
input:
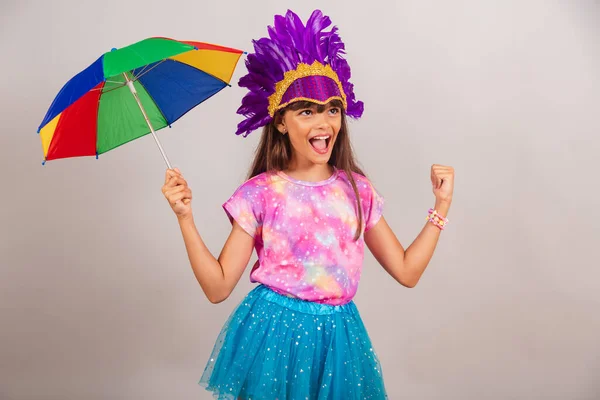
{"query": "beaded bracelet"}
[(437, 219)]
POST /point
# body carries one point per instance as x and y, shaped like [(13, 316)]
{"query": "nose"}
[(321, 121)]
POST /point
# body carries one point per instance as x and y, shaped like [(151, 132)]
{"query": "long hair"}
[(274, 152)]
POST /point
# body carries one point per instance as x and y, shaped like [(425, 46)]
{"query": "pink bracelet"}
[(437, 219)]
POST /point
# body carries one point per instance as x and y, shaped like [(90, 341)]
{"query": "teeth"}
[(321, 137)]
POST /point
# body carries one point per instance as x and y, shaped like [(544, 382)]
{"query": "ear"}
[(280, 124)]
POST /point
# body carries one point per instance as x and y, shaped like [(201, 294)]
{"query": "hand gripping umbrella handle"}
[(135, 95)]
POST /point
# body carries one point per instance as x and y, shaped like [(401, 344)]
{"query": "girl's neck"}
[(309, 173)]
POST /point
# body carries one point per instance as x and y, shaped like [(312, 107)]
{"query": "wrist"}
[(185, 219), (437, 216), (442, 206)]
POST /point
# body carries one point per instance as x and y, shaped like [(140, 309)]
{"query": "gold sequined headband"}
[(315, 90)]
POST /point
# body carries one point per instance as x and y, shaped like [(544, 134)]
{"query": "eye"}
[(306, 112), (334, 110)]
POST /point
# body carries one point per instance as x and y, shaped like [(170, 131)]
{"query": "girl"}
[(308, 210)]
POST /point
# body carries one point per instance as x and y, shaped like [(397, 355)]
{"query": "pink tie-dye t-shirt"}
[(304, 233)]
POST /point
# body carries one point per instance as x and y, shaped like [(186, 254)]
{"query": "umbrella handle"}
[(137, 99)]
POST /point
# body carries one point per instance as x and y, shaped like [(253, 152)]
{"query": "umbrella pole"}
[(135, 95)]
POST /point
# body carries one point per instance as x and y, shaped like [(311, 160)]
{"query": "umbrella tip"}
[(195, 47), (113, 49), (96, 155), (245, 52), (44, 162)]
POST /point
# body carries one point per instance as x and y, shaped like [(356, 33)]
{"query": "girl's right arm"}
[(217, 277)]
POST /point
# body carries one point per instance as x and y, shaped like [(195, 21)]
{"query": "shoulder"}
[(370, 197), (258, 182), (254, 190), (363, 183)]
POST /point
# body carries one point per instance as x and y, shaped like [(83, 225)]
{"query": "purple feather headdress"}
[(295, 62)]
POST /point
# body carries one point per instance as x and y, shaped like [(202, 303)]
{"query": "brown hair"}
[(274, 152)]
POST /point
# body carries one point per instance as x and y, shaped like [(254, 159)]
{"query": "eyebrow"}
[(315, 107)]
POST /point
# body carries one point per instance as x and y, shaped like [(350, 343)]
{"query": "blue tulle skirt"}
[(275, 347)]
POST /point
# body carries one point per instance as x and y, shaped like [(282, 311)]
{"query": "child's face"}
[(312, 133)]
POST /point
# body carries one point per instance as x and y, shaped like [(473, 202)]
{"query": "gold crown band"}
[(302, 70)]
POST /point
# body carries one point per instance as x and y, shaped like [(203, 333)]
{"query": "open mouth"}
[(320, 144)]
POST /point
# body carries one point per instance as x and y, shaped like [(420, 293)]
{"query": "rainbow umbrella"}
[(130, 92)]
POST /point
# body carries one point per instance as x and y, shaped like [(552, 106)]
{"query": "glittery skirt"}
[(275, 347)]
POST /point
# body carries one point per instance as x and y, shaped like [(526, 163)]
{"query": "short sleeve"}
[(245, 207), (373, 206)]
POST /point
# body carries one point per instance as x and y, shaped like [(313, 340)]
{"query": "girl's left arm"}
[(407, 266)]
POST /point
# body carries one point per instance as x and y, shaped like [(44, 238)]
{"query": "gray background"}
[(98, 301)]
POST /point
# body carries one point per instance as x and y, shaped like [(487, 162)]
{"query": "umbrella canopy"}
[(130, 92)]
